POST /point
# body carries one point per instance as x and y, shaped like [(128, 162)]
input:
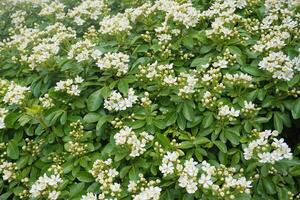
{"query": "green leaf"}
[(199, 62), (123, 86), (91, 117), (221, 146), (295, 171), (5, 195), (201, 140), (269, 185), (84, 177), (76, 189), (94, 101), (163, 140), (188, 112), (232, 137), (208, 120), (188, 42), (13, 150), (282, 193), (278, 124), (296, 109)]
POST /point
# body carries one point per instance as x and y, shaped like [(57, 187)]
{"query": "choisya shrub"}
[(164, 99)]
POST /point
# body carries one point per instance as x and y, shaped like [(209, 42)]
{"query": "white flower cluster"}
[(144, 190), (89, 196), (116, 102), (162, 72), (115, 25), (14, 94), (46, 186), (224, 18), (240, 79), (88, 9), (3, 113), (8, 170), (136, 142), (82, 51), (114, 62), (273, 40), (169, 163), (70, 86), (266, 148), (184, 13), (55, 8), (149, 193), (279, 65), (221, 63), (42, 52), (228, 113), (249, 109), (18, 19), (164, 35), (208, 100), (46, 101), (190, 82), (105, 175), (188, 176), (222, 181)]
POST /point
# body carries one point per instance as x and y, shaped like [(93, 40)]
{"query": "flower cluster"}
[(188, 176), (266, 148), (249, 109), (117, 62), (228, 113), (86, 10), (33, 147), (223, 182), (279, 65), (105, 175), (116, 102), (188, 83), (3, 113), (46, 186), (46, 101), (160, 72), (14, 94), (82, 51), (184, 13), (143, 189), (77, 131), (239, 79), (8, 170), (55, 8), (136, 142), (115, 24), (169, 163), (70, 86)]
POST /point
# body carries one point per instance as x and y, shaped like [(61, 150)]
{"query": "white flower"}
[(115, 25), (89, 196), (86, 10), (114, 61), (53, 195), (205, 181), (136, 143), (3, 113), (227, 112), (260, 147), (15, 94), (150, 193), (70, 86), (116, 102), (279, 65)]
